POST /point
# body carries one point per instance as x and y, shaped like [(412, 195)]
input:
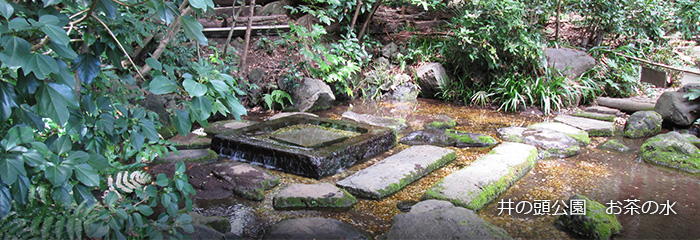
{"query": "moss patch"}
[(346, 201), (672, 150)]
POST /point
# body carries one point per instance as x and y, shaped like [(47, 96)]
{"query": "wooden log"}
[(625, 104)]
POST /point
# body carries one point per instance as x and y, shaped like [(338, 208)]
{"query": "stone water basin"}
[(304, 145)]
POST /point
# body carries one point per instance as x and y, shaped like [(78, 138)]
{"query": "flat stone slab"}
[(191, 155), (310, 137), (287, 114), (580, 135), (393, 173), (630, 105), (313, 196), (225, 126), (604, 110), (594, 128), (476, 185), (549, 143), (314, 228), (595, 115), (245, 180), (434, 219), (191, 141), (396, 124)]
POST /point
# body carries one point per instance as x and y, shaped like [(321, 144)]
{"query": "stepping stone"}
[(192, 155), (476, 185), (594, 128), (549, 143), (313, 196), (393, 173), (604, 110), (314, 228), (191, 141), (434, 219), (595, 224), (448, 138), (596, 116), (617, 145), (246, 180), (578, 134), (224, 126), (396, 124)]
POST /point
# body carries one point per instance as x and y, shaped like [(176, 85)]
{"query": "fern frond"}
[(128, 182), (12, 227), (46, 227)]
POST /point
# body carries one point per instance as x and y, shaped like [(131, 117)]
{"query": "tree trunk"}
[(242, 68)]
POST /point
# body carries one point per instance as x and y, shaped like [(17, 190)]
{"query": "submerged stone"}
[(595, 223), (314, 228), (673, 150), (476, 185), (220, 224), (448, 138), (549, 143), (615, 145), (643, 124), (594, 128), (393, 123), (304, 146), (434, 219), (393, 173), (442, 122), (313, 196)]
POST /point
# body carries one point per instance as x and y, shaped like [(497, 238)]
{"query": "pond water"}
[(599, 174)]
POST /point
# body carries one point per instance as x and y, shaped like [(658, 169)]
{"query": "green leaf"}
[(7, 100), (6, 9), (161, 180), (162, 85), (5, 200), (63, 50), (11, 166), (62, 145), (56, 34), (83, 194), (15, 50), (202, 4), (137, 139), (98, 161), (54, 99), (87, 175), (152, 191), (180, 168), (20, 190), (108, 7), (149, 130), (77, 157), (87, 66), (166, 15), (58, 174), (51, 2), (39, 64), (202, 106), (194, 88), (33, 158), (155, 64), (145, 210), (111, 198), (193, 29), (19, 24), (220, 86), (236, 108), (182, 122), (121, 213)]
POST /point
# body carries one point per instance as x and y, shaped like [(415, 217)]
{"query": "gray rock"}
[(192, 155), (604, 110), (205, 233), (390, 51), (224, 126), (580, 135), (629, 105), (404, 92), (275, 8), (432, 77), (246, 180), (287, 114), (312, 95), (673, 107), (594, 128), (596, 116), (571, 62), (442, 122), (256, 76), (615, 145), (314, 228), (433, 219), (596, 223), (673, 150), (643, 124), (396, 124), (191, 141), (393, 173), (481, 182), (448, 138), (313, 196), (550, 143)]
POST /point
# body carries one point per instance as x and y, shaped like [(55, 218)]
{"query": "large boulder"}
[(674, 107), (448, 138), (314, 228), (432, 77), (435, 219), (595, 223), (549, 143), (674, 150), (643, 124), (571, 62), (312, 95)]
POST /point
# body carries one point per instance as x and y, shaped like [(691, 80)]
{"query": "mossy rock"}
[(442, 122), (225, 126), (596, 116), (643, 124), (193, 155), (580, 135), (615, 145), (673, 150), (448, 138), (220, 224), (596, 223), (191, 141), (313, 196), (167, 132)]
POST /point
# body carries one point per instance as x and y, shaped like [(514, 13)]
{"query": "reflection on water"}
[(599, 174)]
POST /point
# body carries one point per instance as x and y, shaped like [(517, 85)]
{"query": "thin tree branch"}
[(242, 68), (369, 18), (233, 23), (129, 5), (118, 43), (173, 29), (357, 13)]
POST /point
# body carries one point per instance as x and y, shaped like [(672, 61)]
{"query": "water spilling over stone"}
[(304, 145)]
